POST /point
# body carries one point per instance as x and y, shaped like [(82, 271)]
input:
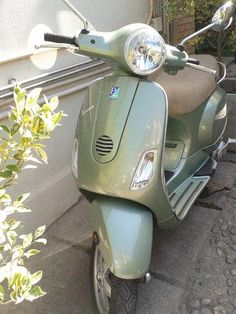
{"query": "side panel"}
[(202, 127), (144, 129), (125, 235)]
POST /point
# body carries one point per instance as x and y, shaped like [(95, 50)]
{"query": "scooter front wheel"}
[(113, 295)]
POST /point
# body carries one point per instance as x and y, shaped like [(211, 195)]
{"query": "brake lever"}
[(56, 46), (201, 68)]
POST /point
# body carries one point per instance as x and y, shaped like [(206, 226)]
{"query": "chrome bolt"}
[(148, 277), (12, 81)]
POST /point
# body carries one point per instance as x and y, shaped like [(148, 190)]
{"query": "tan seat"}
[(189, 87)]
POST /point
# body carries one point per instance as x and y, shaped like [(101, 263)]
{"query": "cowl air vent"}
[(104, 145)]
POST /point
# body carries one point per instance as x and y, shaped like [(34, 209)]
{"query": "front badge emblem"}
[(114, 93)]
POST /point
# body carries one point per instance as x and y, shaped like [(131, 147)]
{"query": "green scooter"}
[(146, 144)]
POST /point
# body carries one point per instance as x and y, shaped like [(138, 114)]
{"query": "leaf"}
[(3, 273), (7, 247), (30, 167), (13, 296), (2, 237), (31, 158), (4, 128), (41, 240), (7, 174), (15, 225), (27, 134), (17, 254), (19, 97), (16, 280), (14, 168), (27, 239), (36, 277), (39, 231), (45, 108), (54, 102), (22, 197), (31, 253), (15, 128), (5, 200), (18, 156), (32, 98), (2, 192), (57, 117), (11, 236), (20, 261), (35, 293), (2, 293), (3, 216), (23, 210), (42, 154)]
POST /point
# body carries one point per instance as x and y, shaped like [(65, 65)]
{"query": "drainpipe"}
[(151, 9)]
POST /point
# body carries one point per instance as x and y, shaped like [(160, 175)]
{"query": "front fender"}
[(124, 229)]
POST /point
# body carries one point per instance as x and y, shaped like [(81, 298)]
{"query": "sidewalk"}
[(193, 266)]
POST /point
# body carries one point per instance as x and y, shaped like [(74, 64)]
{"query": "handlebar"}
[(201, 68), (59, 39), (193, 61)]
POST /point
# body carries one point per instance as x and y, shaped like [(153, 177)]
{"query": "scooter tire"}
[(124, 293)]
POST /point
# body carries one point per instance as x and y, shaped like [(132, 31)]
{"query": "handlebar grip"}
[(193, 61), (59, 39)]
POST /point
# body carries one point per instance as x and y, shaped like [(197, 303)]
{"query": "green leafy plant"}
[(178, 8), (21, 147), (218, 43)]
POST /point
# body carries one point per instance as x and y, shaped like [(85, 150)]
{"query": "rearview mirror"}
[(223, 17)]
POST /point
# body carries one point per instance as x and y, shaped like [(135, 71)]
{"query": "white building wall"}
[(22, 24)]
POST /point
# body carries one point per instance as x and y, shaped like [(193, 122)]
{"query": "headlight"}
[(74, 165), (145, 51), (144, 171)]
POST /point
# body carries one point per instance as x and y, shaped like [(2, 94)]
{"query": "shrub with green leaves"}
[(217, 43), (178, 8), (21, 147)]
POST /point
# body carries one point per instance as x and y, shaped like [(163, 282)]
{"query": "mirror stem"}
[(77, 13), (180, 46)]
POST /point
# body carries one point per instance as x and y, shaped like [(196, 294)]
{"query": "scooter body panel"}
[(191, 137), (143, 130), (200, 128), (124, 230)]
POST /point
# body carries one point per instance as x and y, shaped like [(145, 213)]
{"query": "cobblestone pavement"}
[(193, 265), (198, 274), (213, 288)]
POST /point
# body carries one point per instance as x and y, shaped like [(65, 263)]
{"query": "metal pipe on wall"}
[(151, 9)]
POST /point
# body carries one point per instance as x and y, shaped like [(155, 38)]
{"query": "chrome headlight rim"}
[(148, 30)]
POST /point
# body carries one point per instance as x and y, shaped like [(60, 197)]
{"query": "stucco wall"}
[(22, 24)]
